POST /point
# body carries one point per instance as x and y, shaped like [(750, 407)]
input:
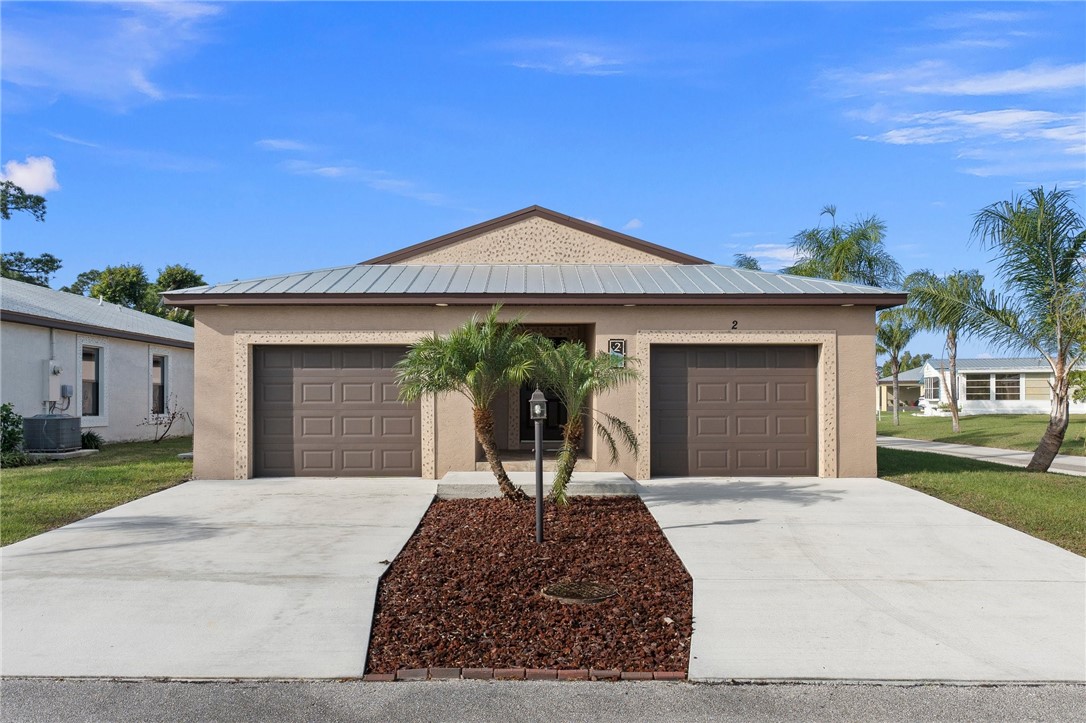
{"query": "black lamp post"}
[(538, 412)]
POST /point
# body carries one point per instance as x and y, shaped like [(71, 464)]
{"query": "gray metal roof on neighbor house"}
[(538, 283), (912, 376), (36, 305), (1015, 364)]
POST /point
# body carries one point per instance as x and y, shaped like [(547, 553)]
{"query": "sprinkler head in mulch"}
[(579, 592)]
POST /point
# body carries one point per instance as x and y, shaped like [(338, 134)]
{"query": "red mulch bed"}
[(466, 590)]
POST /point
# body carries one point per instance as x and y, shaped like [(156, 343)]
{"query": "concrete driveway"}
[(863, 579), (271, 578)]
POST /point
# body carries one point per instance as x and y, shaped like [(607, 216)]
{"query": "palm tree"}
[(569, 373), (1041, 258), (894, 332), (853, 253), (746, 261), (938, 303), (478, 359)]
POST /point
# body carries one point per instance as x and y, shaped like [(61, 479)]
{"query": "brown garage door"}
[(734, 410), (332, 411)]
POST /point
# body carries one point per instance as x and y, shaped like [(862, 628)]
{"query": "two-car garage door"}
[(332, 411), (734, 410)]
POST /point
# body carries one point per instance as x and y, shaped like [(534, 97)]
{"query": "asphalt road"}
[(52, 701)]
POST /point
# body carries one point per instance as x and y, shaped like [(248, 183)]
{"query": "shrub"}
[(91, 440), (11, 429)]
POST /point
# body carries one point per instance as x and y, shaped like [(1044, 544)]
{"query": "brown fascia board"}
[(509, 219), (189, 301), (49, 323)]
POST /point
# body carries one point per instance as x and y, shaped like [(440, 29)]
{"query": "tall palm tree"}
[(569, 373), (938, 303), (479, 359), (1040, 244), (853, 253), (895, 330)]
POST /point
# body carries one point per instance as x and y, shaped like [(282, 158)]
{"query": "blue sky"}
[(248, 139)]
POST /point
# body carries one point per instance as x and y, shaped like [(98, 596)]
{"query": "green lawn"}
[(1049, 506), (41, 497), (1009, 431)]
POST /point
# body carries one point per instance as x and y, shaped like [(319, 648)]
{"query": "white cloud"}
[(36, 175), (1036, 78), (633, 224), (282, 144), (330, 170), (564, 56), (938, 77), (101, 52), (1010, 124), (376, 180), (782, 254), (74, 140), (595, 221)]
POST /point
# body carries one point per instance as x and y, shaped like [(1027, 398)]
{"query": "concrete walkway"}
[(1064, 463), (269, 578), (862, 579)]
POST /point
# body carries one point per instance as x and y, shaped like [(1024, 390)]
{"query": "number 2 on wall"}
[(735, 324)]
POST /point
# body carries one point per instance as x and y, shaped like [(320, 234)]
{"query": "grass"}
[(1051, 507), (42, 497), (1008, 431)]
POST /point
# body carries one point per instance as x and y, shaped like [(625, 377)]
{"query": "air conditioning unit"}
[(52, 433)]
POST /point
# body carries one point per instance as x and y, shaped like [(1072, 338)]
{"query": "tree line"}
[(125, 284)]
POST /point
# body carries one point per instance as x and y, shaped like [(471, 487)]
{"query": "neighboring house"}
[(994, 386), (909, 386), (118, 366), (742, 372)]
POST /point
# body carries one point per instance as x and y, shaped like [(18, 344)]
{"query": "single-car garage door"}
[(734, 410), (329, 411)]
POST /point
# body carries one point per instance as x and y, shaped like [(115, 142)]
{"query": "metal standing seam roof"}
[(18, 298), (1011, 364), (910, 376), (487, 279)]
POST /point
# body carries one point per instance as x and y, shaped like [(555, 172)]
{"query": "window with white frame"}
[(159, 369), (1008, 387), (92, 381), (978, 387), (931, 388)]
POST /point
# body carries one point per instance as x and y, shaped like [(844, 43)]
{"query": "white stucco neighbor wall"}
[(125, 378)]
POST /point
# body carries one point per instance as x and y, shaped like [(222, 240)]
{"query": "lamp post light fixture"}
[(537, 406)]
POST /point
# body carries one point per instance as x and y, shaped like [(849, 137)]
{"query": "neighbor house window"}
[(1007, 387), (158, 385), (92, 381), (931, 388), (978, 386)]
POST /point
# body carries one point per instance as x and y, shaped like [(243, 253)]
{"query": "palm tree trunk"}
[(952, 352), (484, 432), (895, 367), (1058, 420), (567, 459)]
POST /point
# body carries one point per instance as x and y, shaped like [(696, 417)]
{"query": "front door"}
[(556, 413)]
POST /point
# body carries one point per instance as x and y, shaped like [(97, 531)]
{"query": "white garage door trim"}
[(244, 341), (826, 341)]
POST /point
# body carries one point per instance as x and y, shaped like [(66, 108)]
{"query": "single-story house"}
[(909, 384), (112, 366), (994, 386), (741, 372)]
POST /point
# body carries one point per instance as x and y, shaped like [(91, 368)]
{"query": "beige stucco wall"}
[(224, 336), (125, 378), (536, 241)]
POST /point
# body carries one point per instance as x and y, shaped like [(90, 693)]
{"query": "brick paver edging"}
[(522, 674)]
